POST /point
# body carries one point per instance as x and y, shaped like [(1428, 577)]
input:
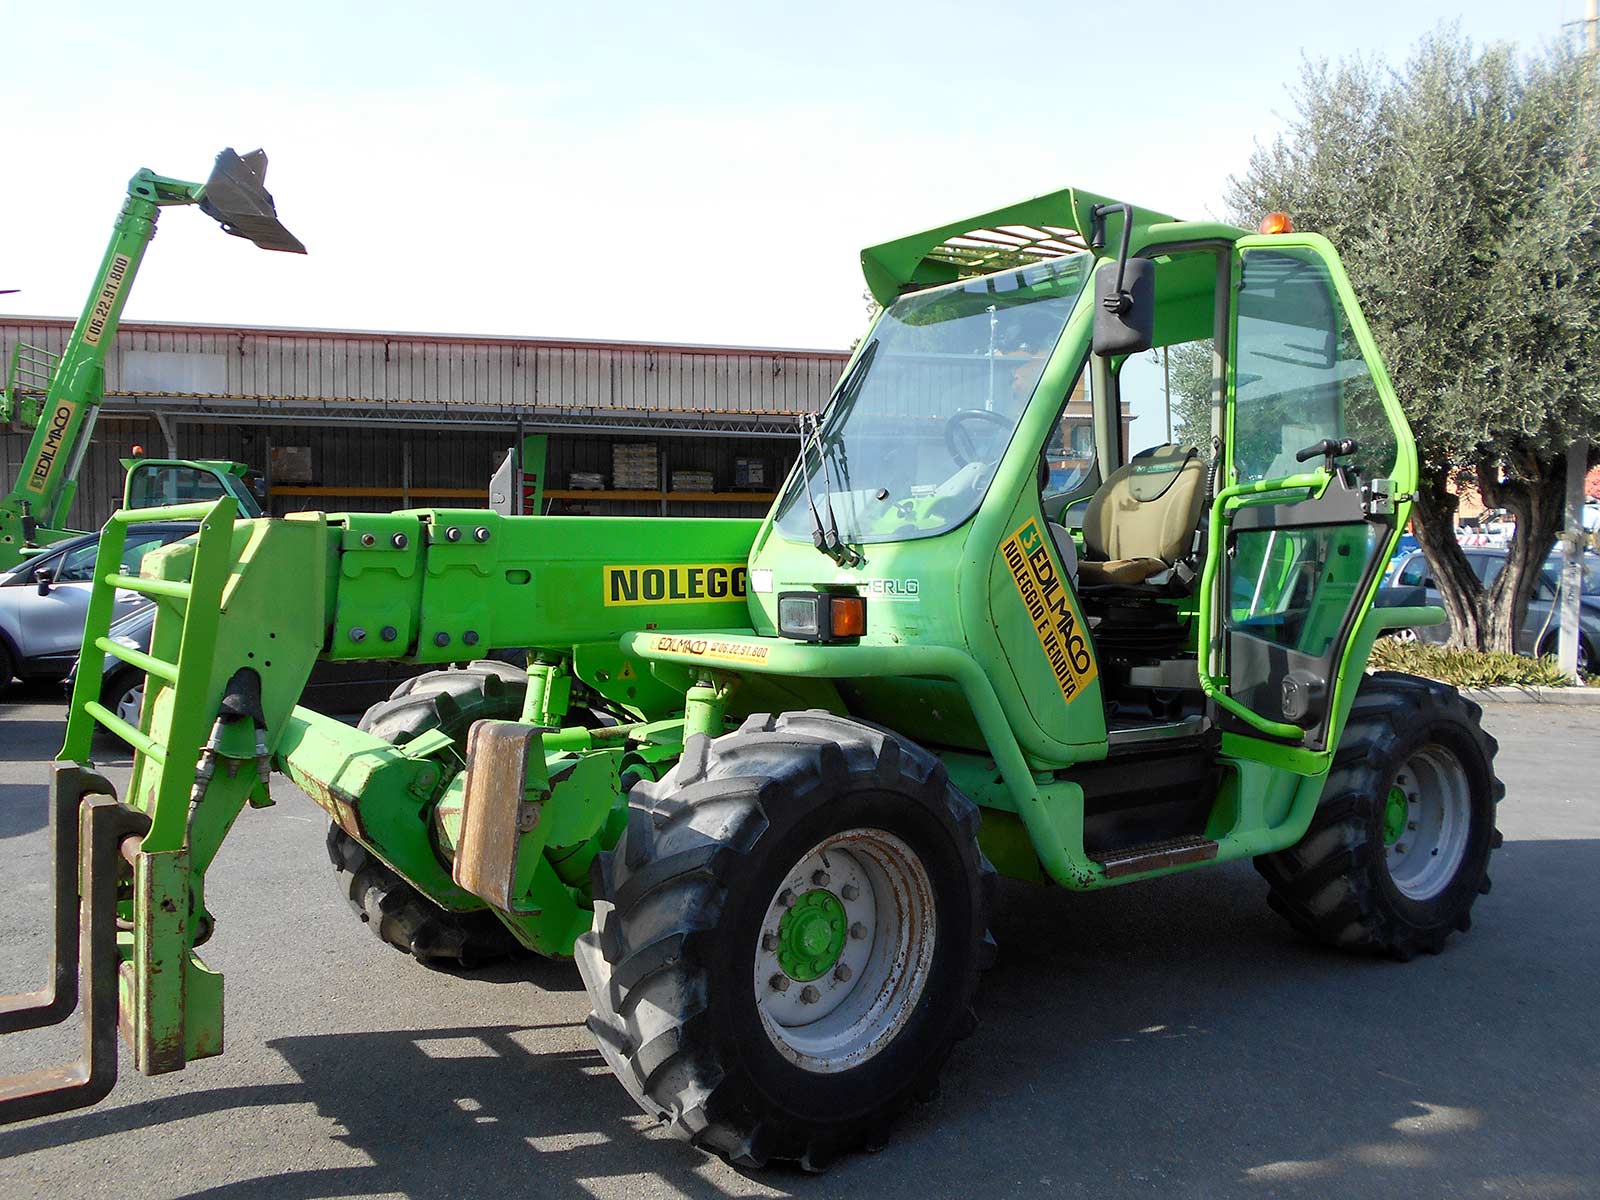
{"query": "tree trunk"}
[(1536, 496), (1464, 599)]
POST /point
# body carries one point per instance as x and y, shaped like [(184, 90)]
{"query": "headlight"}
[(821, 616)]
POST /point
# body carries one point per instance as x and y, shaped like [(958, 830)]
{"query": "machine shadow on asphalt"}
[(1254, 1061)]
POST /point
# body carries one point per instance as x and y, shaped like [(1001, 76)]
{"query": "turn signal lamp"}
[(1276, 222), (821, 616), (849, 615)]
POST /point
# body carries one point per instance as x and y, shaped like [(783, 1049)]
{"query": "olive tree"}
[(1463, 192)]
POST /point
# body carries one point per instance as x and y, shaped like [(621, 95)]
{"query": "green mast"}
[(40, 498)]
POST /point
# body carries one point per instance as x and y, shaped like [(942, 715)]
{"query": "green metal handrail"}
[(1227, 501)]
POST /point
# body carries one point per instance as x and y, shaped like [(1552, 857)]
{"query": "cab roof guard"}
[(1046, 227)]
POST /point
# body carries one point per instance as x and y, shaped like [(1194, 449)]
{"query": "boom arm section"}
[(244, 610), (73, 386)]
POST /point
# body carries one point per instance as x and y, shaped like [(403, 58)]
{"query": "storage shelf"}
[(424, 493), (675, 497), (482, 494)]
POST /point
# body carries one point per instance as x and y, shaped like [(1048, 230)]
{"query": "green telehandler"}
[(759, 777), (59, 397)]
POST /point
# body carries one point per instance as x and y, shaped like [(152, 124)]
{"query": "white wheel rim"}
[(843, 1017), (129, 703), (1430, 850)]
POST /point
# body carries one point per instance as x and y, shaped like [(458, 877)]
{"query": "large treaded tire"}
[(680, 904), (1335, 885), (394, 910)]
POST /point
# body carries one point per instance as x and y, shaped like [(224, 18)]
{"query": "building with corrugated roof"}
[(361, 420)]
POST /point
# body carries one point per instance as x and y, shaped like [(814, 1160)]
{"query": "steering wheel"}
[(959, 440)]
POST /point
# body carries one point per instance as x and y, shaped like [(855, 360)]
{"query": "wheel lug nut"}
[(820, 878), (849, 891), (842, 972), (1411, 825), (1399, 847), (779, 983), (809, 995), (786, 898), (858, 931), (769, 942)]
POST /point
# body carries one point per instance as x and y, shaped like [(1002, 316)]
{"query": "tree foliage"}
[(1190, 370), (1463, 193)]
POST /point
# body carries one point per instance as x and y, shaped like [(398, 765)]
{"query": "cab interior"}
[(1130, 521)]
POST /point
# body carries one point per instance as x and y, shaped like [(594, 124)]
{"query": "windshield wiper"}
[(824, 535)]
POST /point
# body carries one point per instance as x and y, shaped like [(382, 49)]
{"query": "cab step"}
[(1153, 856)]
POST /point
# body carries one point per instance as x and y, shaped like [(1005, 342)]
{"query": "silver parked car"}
[(1412, 582), (43, 600)]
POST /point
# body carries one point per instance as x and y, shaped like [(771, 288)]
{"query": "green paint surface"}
[(811, 935)]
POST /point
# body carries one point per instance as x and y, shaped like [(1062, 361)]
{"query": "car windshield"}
[(914, 432)]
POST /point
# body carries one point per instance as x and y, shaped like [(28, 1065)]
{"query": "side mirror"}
[(1125, 317), (42, 578)]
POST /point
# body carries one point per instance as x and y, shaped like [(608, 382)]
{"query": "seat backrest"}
[(1147, 508)]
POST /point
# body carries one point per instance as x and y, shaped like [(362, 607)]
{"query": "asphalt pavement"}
[(1166, 1039)]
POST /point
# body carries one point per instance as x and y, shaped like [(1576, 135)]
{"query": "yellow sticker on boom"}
[(1058, 628), (105, 300), (674, 583), (710, 647)]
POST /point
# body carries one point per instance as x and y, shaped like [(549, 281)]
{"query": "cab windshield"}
[(915, 430)]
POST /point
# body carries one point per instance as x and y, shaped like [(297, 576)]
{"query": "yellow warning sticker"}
[(1058, 628), (710, 647), (55, 435), (674, 583)]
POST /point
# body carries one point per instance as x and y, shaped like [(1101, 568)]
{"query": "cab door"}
[(1317, 461)]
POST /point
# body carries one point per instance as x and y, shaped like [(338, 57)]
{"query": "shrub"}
[(1466, 668)]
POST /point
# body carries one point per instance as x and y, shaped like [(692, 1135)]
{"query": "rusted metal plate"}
[(495, 810), (1155, 855), (338, 804)]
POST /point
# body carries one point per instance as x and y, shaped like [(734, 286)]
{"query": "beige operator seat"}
[(1143, 518)]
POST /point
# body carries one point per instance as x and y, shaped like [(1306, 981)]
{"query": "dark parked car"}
[(1412, 583), (335, 688), (43, 600)]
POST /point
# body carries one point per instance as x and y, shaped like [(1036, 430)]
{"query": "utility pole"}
[(1577, 465), (1166, 374)]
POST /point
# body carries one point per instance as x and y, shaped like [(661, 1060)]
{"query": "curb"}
[(1534, 695)]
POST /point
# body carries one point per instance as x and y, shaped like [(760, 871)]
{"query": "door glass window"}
[(1292, 587), (1415, 573), (1299, 375), (77, 565), (1166, 398), (1069, 453)]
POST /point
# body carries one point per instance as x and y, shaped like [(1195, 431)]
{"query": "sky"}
[(690, 172)]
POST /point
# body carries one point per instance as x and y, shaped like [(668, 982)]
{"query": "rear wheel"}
[(787, 938), (123, 694), (394, 910), (1398, 850)]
